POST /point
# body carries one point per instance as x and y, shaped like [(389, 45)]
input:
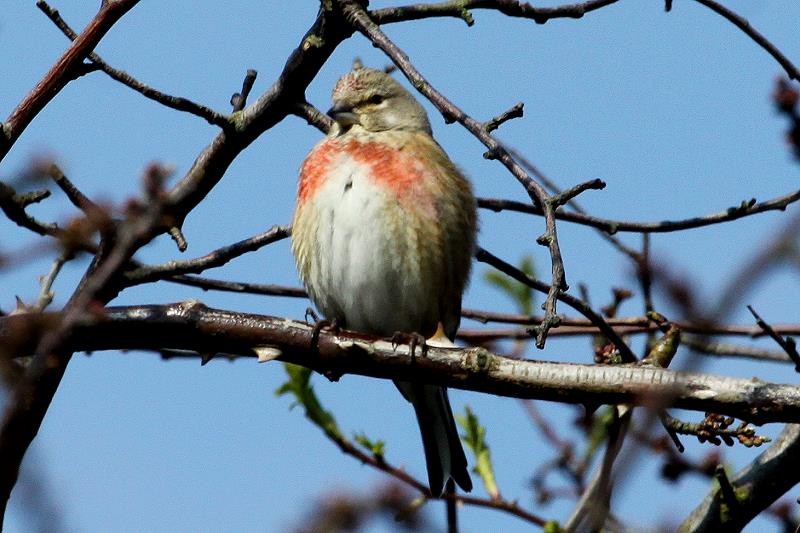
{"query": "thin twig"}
[(755, 35), (239, 100), (745, 209), (78, 199), (13, 205), (499, 120), (216, 258), (45, 294), (788, 344), (313, 116), (579, 305), (175, 102), (62, 72)]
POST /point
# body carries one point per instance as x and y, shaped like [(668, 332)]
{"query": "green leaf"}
[(299, 386), (551, 526), (376, 448), (475, 438), (521, 294)]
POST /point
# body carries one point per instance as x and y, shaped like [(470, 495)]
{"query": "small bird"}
[(383, 236)]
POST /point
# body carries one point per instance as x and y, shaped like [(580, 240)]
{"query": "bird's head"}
[(374, 101)]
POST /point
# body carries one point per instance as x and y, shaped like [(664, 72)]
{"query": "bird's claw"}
[(332, 325), (413, 340)]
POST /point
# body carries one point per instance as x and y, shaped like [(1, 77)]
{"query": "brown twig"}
[(755, 35), (314, 117), (175, 102), (62, 71), (78, 199), (217, 258), (788, 343), (579, 305), (745, 209), (499, 120)]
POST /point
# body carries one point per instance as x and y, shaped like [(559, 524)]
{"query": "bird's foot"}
[(413, 340), (331, 325)]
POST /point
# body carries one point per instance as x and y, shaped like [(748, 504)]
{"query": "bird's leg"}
[(332, 326)]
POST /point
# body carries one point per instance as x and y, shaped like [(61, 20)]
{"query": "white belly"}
[(365, 262)]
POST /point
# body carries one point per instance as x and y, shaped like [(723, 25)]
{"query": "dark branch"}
[(62, 72), (496, 122), (460, 9), (239, 100), (577, 304), (755, 35), (745, 209), (788, 344), (175, 102), (213, 259)]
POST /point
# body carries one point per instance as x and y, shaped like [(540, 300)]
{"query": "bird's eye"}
[(375, 99)]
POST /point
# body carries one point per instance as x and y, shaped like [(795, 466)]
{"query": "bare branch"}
[(755, 35), (496, 122), (460, 9), (239, 100), (577, 304), (788, 344), (175, 102), (213, 259), (313, 116), (756, 487), (61, 72), (745, 209), (78, 199), (192, 326)]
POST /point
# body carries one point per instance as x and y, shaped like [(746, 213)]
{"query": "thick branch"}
[(460, 9), (192, 326), (757, 486)]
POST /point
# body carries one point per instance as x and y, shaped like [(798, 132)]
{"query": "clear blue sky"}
[(672, 110)]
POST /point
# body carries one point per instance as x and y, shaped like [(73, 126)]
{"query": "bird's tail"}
[(444, 455)]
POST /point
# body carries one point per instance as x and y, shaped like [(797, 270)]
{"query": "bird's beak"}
[(343, 113)]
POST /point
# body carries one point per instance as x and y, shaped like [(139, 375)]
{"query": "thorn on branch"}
[(239, 100), (496, 122)]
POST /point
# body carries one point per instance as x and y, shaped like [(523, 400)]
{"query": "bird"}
[(383, 235)]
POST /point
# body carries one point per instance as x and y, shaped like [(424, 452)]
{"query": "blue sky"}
[(672, 110)]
